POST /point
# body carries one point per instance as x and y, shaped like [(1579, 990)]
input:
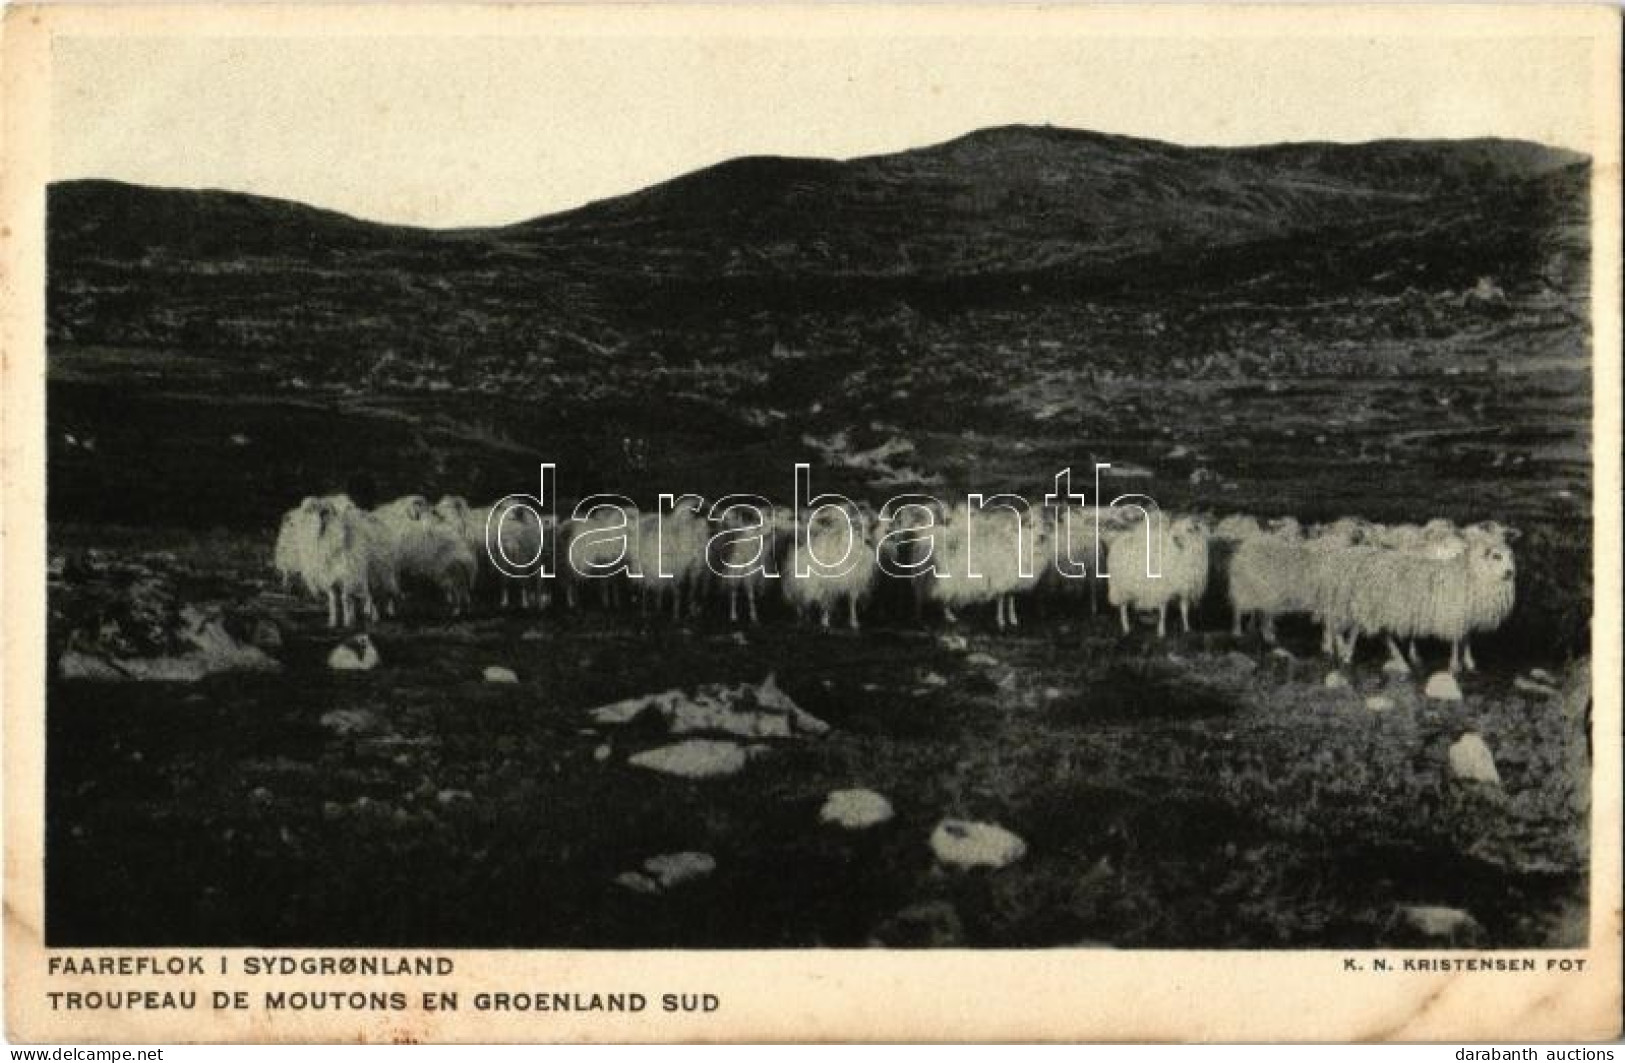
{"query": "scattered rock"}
[(1381, 703), (1531, 686), (1283, 653), (1396, 668), (1541, 675), (602, 752), (982, 660), (350, 722), (495, 673), (1442, 686), (1438, 923), (953, 643), (533, 634), (928, 924), (964, 844), (1053, 694), (354, 654), (696, 758), (453, 797), (76, 665), (761, 711), (1471, 760), (933, 679), (637, 882), (855, 809), (267, 635), (674, 869), (1335, 681), (1241, 662)]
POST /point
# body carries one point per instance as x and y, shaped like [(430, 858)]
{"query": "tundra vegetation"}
[(1267, 341)]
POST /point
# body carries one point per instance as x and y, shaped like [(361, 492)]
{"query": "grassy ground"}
[(1179, 794)]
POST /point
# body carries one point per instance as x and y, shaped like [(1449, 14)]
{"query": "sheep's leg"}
[(1162, 620), (676, 602), (998, 612), (750, 600), (1394, 652), (572, 596), (1414, 657), (1467, 653), (1122, 616), (823, 620), (1455, 656), (948, 615), (1266, 622), (852, 611), (733, 604), (347, 604), (1236, 623), (1346, 650), (1185, 614), (332, 607), (1094, 597), (1012, 608)]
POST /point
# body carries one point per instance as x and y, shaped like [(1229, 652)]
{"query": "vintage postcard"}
[(796, 522)]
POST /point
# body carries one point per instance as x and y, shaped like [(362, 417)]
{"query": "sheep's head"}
[(452, 507), (1492, 562)]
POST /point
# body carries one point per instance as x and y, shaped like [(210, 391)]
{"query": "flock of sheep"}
[(1353, 577)]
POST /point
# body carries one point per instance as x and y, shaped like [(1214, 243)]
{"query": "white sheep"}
[(523, 538), (1280, 572), (601, 546), (669, 556), (350, 560), (841, 568), (1175, 570), (1402, 595), (293, 536), (745, 565), (429, 550), (989, 553)]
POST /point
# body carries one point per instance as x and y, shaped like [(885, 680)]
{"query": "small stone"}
[(533, 634), (674, 869), (452, 797), (855, 809), (602, 753), (1052, 694), (965, 844), (1531, 686), (495, 673), (260, 795), (355, 654), (982, 660), (1471, 760), (1241, 662), (1380, 703), (1396, 668), (1442, 686), (637, 882), (953, 643), (933, 679), (1335, 681), (1438, 922), (1283, 653), (697, 758), (928, 924), (1541, 675), (350, 721)]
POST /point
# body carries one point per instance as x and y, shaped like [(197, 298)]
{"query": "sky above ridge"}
[(480, 130)]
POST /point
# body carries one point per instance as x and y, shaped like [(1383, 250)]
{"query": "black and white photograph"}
[(764, 490)]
